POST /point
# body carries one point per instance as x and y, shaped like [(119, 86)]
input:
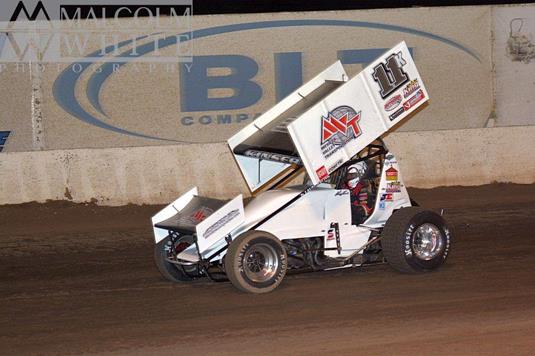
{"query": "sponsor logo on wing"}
[(411, 88), (345, 125), (339, 127), (197, 216), (393, 102), (416, 98), (269, 156), (221, 222), (322, 173), (397, 113), (335, 166)]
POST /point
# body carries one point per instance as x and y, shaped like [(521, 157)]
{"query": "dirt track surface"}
[(80, 279)]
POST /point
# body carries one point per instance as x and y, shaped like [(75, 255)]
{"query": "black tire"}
[(404, 242), (168, 270), (256, 250)]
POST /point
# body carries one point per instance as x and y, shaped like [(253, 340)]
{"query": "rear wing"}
[(208, 219), (327, 121)]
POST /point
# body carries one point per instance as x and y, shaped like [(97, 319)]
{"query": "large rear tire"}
[(170, 271), (256, 262), (416, 240)]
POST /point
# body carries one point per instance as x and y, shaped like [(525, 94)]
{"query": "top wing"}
[(264, 149), (351, 117)]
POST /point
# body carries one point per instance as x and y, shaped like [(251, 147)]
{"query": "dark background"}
[(204, 7)]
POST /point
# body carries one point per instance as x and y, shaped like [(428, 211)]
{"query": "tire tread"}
[(393, 245), (233, 274), (168, 271)]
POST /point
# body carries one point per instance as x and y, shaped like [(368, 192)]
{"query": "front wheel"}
[(416, 240), (256, 262)]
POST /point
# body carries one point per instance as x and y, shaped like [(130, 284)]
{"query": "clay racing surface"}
[(80, 279)]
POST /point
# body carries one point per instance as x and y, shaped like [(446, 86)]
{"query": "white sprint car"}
[(352, 208)]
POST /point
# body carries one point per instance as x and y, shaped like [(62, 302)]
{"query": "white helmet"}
[(355, 173)]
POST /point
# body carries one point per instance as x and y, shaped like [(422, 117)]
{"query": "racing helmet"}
[(355, 173)]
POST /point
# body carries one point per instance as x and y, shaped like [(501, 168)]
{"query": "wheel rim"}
[(260, 262), (178, 246), (181, 246), (427, 242)]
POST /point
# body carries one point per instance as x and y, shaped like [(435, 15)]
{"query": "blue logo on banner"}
[(3, 38), (3, 138), (195, 82)]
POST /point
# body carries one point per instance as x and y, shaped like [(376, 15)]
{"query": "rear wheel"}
[(256, 262), (168, 248), (415, 240)]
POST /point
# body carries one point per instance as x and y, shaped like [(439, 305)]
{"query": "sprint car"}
[(325, 129)]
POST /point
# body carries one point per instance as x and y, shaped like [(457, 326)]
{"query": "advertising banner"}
[(130, 82)]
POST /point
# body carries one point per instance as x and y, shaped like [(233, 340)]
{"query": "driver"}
[(362, 198)]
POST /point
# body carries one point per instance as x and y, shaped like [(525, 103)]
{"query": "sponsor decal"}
[(411, 88), (411, 102), (3, 138), (393, 187), (391, 174), (322, 173), (416, 98), (390, 160), (393, 102), (389, 75), (396, 114), (273, 157), (341, 192), (387, 197), (197, 216), (407, 237), (382, 205), (335, 166), (221, 222), (201, 214), (338, 128), (330, 235)]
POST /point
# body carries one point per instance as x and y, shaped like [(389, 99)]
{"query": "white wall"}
[(152, 175), (514, 58)]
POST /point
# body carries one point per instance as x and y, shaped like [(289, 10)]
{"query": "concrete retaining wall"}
[(153, 175)]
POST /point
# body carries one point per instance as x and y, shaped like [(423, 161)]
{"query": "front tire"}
[(166, 249), (416, 240), (256, 262)]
